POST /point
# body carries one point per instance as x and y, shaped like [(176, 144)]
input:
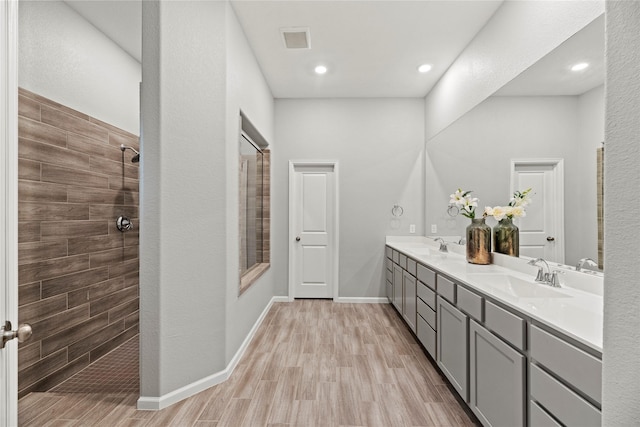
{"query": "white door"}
[(9, 207), (542, 229), (313, 216)]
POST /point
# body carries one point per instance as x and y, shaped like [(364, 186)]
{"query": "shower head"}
[(134, 159)]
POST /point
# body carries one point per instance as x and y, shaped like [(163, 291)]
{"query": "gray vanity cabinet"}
[(409, 305), (496, 379), (453, 344), (397, 287)]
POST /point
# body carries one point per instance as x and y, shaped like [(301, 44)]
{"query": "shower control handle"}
[(124, 224)]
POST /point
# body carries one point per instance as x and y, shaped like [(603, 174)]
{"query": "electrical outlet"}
[(412, 228), (434, 228)]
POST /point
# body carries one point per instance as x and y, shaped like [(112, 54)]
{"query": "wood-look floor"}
[(311, 363)]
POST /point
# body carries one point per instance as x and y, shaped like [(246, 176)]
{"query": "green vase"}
[(506, 237), (478, 242)]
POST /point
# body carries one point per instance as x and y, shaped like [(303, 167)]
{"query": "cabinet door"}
[(397, 287), (409, 306), (453, 346), (497, 379)]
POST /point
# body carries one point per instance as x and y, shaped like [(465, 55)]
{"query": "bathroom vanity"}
[(519, 353)]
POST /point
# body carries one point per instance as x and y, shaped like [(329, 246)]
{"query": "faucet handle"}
[(541, 277), (555, 279)]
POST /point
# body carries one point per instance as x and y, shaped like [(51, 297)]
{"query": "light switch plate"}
[(434, 228), (412, 228)]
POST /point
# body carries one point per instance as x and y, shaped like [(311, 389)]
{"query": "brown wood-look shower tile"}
[(28, 354), (38, 251), (123, 310), (111, 212), (51, 103), (71, 229), (47, 153), (72, 123), (42, 368), (28, 108), (118, 183), (113, 256), (109, 167), (91, 147), (70, 282), (29, 170), (126, 267), (96, 196), (28, 231), (59, 322), (101, 350), (104, 304), (118, 137), (95, 340), (85, 245), (37, 131), (132, 320), (41, 192), (61, 175), (94, 292), (28, 293), (75, 333), (42, 309), (35, 211)]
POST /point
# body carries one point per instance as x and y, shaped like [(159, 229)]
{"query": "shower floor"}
[(116, 372)]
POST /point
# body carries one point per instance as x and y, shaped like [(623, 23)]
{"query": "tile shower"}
[(78, 275)]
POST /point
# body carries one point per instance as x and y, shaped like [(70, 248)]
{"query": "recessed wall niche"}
[(254, 204)]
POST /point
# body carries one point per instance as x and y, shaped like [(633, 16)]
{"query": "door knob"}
[(551, 239), (297, 238), (23, 333)]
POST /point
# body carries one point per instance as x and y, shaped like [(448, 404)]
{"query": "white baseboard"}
[(158, 403), (362, 300)]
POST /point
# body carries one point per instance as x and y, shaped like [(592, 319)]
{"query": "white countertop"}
[(575, 309)]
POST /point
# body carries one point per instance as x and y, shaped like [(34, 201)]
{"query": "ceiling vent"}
[(296, 38)]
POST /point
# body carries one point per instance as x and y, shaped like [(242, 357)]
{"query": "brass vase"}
[(478, 242), (506, 237)]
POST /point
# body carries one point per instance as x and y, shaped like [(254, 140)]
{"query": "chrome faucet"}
[(586, 261), (544, 273), (443, 244)]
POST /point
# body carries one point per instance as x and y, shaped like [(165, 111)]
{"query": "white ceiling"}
[(552, 74), (372, 47)]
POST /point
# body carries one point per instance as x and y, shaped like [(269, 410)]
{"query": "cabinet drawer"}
[(539, 418), (565, 405), (388, 263), (402, 261), (389, 275), (570, 363), (388, 252), (411, 266), (427, 313), (427, 295), (507, 325), (470, 303), (447, 289), (427, 276), (426, 336), (395, 256)]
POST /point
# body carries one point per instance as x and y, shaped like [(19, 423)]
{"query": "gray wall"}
[(475, 152), (621, 374), (379, 145)]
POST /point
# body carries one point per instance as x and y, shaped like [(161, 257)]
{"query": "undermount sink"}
[(517, 287)]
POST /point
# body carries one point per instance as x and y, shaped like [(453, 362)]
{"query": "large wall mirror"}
[(549, 115), (254, 197)]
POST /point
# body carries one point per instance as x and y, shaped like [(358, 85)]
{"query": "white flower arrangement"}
[(465, 202), (515, 208)]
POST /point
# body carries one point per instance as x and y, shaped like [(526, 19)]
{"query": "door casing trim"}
[(336, 230)]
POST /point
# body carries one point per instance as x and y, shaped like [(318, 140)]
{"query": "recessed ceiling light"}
[(424, 68), (320, 69), (579, 67)]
